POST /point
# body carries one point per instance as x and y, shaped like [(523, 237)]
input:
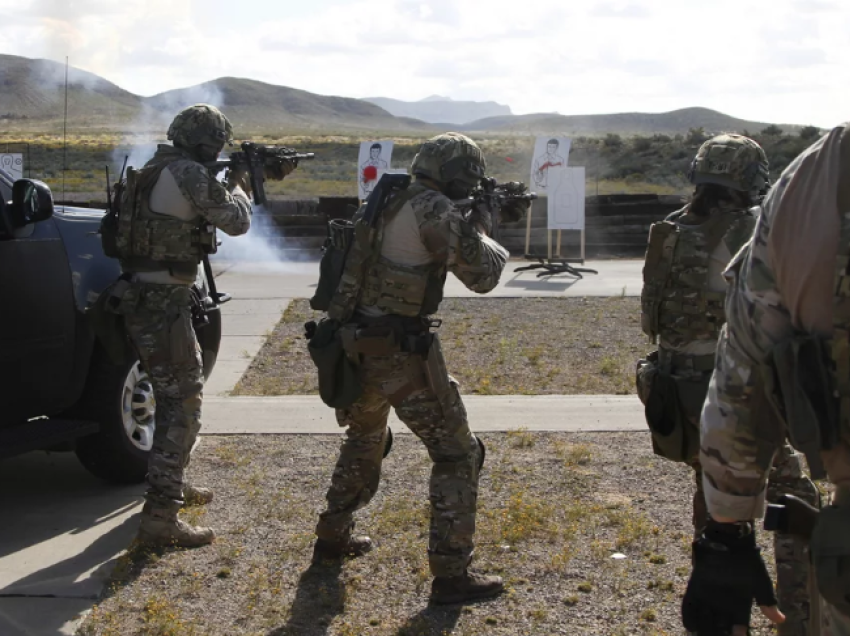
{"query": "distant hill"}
[(33, 90), (254, 105), (437, 109), (673, 122), (32, 96)]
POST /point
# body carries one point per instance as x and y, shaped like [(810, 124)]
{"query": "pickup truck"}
[(59, 390)]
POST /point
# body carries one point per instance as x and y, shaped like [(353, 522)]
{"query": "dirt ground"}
[(493, 346), (590, 531)]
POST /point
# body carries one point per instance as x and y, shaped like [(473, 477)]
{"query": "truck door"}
[(37, 322)]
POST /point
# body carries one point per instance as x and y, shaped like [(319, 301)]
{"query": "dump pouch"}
[(108, 324), (668, 403), (339, 382), (797, 383), (340, 238)]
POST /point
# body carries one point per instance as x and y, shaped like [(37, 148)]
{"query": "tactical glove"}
[(238, 176), (514, 210), (481, 217), (728, 574), (278, 169)]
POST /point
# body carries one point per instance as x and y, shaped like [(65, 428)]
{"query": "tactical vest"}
[(147, 241), (675, 302), (401, 290)]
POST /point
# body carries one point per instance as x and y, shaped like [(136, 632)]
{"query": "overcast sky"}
[(767, 60)]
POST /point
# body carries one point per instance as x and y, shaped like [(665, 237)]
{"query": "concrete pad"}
[(306, 414), (252, 313), (41, 616), (62, 528), (298, 280)]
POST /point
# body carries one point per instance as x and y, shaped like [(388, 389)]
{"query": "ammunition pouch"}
[(339, 383), (798, 384), (332, 265), (671, 407), (830, 554)]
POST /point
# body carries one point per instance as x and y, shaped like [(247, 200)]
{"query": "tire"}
[(120, 399)]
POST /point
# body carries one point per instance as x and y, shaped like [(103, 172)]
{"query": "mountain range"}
[(32, 98), (437, 109)]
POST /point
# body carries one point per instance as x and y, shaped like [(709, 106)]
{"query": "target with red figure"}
[(373, 162)]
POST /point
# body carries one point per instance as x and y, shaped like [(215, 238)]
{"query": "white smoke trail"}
[(263, 247)]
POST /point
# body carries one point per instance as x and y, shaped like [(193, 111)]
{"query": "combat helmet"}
[(200, 125), (733, 161), (450, 157)]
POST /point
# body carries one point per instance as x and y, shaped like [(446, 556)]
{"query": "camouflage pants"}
[(159, 322), (440, 421), (792, 559)]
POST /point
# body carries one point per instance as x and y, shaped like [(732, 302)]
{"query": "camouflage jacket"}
[(229, 212), (780, 285), (424, 240)]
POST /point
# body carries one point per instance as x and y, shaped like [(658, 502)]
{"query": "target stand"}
[(549, 264)]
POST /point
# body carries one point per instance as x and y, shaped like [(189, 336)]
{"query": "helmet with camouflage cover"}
[(450, 157), (733, 161), (200, 125)]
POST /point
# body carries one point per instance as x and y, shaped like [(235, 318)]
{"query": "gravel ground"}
[(554, 509), (493, 346)]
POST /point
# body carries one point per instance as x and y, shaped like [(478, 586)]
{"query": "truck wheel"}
[(120, 398)]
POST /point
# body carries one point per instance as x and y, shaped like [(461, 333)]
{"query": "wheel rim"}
[(138, 408)]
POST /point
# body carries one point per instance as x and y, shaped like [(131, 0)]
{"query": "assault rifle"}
[(495, 196), (260, 162)]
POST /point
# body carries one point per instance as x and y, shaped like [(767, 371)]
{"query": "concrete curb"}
[(306, 414)]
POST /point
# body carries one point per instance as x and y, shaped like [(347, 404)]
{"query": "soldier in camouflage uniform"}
[(784, 349), (167, 220), (682, 309), (401, 365)]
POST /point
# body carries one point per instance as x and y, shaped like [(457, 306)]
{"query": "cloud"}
[(620, 10), (600, 56)]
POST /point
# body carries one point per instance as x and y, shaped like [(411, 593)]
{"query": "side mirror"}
[(31, 202)]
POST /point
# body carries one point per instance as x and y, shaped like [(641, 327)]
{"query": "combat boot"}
[(447, 590), (162, 528), (196, 496), (353, 546)]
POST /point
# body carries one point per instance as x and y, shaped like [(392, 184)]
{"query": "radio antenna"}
[(65, 133)]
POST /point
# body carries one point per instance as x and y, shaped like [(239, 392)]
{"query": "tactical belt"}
[(684, 361), (386, 335)]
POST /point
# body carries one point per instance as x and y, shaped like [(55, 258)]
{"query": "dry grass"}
[(552, 512), (493, 346)]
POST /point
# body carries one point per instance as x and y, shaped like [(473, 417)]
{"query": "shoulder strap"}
[(715, 229)]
